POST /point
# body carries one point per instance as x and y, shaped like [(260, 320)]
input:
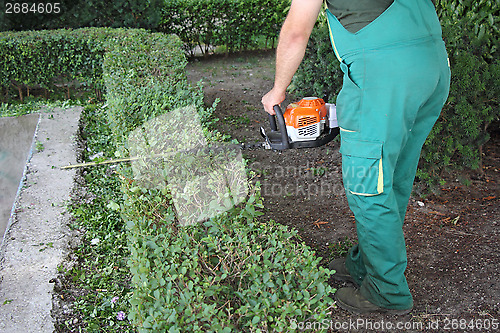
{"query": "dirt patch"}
[(452, 238)]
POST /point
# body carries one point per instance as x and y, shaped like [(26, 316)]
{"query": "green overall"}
[(396, 81)]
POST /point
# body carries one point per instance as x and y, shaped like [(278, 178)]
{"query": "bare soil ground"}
[(452, 237)]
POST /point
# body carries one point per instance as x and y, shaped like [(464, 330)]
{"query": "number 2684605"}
[(34, 8)]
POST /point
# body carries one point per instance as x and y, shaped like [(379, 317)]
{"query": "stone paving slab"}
[(36, 241)]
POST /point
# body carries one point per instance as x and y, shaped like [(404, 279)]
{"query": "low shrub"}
[(229, 274), (144, 77)]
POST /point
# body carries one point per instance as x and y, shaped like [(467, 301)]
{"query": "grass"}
[(237, 121), (39, 146), (98, 284), (96, 287), (33, 105)]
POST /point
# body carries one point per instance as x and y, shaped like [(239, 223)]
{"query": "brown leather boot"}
[(350, 299), (341, 272)]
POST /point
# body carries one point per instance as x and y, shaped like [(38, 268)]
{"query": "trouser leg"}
[(400, 121), (381, 252), (406, 166)]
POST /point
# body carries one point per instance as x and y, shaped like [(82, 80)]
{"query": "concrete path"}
[(16, 141), (36, 241)]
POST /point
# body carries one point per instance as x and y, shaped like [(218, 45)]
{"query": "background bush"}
[(44, 58), (234, 24), (80, 14), (471, 33), (231, 24), (319, 73)]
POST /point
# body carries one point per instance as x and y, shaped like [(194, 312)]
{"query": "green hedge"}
[(472, 36), (144, 77), (230, 273), (32, 58), (37, 15), (235, 24), (46, 57), (471, 33)]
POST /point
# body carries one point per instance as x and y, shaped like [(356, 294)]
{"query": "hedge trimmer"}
[(308, 123)]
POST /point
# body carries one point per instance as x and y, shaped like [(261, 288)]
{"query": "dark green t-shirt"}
[(356, 14)]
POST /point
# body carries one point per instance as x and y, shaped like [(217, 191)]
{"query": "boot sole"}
[(355, 310)]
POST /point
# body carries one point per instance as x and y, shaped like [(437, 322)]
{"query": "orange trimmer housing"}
[(307, 111), (305, 124)]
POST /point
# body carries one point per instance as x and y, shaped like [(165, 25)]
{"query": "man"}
[(396, 80)]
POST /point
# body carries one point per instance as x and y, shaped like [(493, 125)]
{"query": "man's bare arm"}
[(291, 48)]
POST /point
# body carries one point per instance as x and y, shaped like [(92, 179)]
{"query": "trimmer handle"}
[(282, 126), (272, 121)]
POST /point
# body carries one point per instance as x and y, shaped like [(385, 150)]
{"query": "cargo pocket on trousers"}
[(362, 170), (348, 102)]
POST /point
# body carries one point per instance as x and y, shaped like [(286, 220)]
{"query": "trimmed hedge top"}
[(41, 57)]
